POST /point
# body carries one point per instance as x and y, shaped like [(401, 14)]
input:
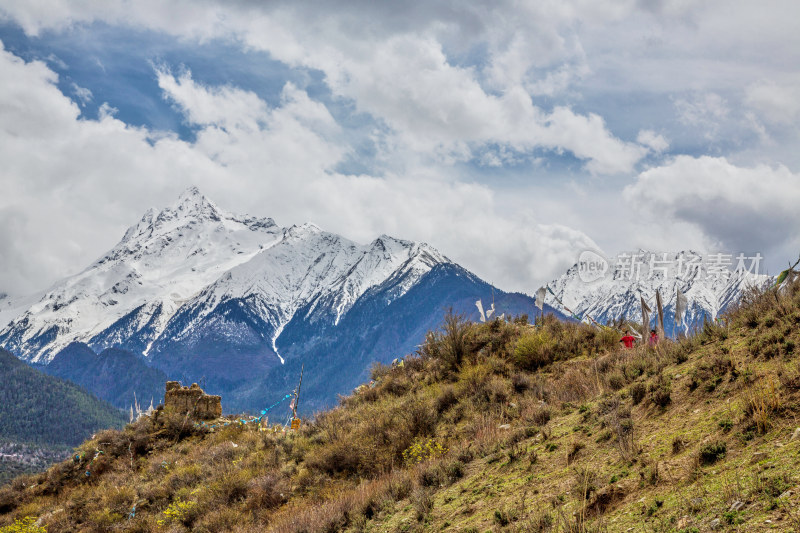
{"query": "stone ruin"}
[(192, 401)]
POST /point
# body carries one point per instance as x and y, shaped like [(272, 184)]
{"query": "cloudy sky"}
[(511, 135)]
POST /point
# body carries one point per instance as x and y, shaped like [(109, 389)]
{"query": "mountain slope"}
[(494, 427), (42, 417), (42, 409), (379, 328), (386, 322), (243, 313), (114, 375)]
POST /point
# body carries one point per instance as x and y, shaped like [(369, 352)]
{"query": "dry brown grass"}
[(762, 402), (472, 389)]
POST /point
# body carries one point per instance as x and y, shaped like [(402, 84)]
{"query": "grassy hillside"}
[(491, 427)]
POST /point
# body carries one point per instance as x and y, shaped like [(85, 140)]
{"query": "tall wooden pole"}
[(297, 394)]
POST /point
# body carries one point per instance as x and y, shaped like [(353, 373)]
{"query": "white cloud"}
[(433, 105), (403, 77), (84, 95), (656, 142), (69, 184), (777, 103), (226, 107), (63, 210), (738, 208), (447, 82), (705, 110), (409, 65)]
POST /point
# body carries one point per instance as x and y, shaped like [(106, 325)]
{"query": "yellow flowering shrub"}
[(177, 511), (23, 525), (422, 450)]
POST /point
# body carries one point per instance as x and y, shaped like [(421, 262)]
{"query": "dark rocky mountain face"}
[(118, 376)]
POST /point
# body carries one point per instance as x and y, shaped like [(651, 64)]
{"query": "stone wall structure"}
[(192, 401)]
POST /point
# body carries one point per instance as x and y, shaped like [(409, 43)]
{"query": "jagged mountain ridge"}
[(166, 258), (173, 260), (710, 287), (205, 295)]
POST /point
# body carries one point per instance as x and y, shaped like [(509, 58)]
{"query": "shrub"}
[(423, 450), (422, 501), (338, 457), (619, 420), (576, 385), (455, 470), (712, 452), (395, 385), (23, 525), (761, 403), (638, 391), (539, 415), (543, 522), (429, 476), (520, 382), (576, 447), (660, 392), (534, 350), (774, 486), (400, 486), (183, 476), (733, 517), (420, 418), (230, 488), (451, 343), (616, 380), (585, 482), (177, 512), (446, 399), (503, 517), (267, 492)]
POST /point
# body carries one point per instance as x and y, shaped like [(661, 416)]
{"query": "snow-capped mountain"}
[(192, 257), (160, 263), (309, 269), (609, 290), (239, 301)]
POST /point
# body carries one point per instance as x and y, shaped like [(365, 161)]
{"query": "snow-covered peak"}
[(160, 263), (192, 203), (302, 231), (192, 253), (318, 272)]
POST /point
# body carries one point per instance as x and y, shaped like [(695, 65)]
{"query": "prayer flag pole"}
[(295, 420)]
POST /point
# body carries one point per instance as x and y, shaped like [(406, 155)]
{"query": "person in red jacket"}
[(627, 340)]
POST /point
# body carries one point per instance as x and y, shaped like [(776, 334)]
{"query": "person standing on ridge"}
[(653, 340), (628, 339)]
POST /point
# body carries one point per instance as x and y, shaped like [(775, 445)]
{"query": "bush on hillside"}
[(451, 343), (534, 350)]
